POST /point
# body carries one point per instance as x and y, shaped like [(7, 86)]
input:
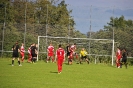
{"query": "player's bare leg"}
[(48, 58), (70, 62), (22, 58), (80, 61), (87, 60), (70, 59), (52, 59)]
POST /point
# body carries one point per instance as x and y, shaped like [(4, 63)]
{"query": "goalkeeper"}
[(83, 55)]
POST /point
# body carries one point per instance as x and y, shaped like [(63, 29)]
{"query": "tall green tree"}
[(123, 31)]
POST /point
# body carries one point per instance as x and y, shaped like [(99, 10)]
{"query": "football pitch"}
[(44, 75)]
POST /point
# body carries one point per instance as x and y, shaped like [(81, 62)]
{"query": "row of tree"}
[(123, 33), (24, 20), (35, 11), (29, 18)]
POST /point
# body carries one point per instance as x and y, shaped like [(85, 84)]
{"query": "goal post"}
[(43, 42)]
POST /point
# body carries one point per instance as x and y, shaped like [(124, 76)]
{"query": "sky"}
[(94, 14)]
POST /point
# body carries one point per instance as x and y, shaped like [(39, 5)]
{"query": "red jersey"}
[(50, 49), (60, 53), (29, 50), (118, 54), (22, 49), (73, 48)]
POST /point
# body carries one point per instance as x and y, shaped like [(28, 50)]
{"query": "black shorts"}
[(83, 57), (68, 53), (124, 60), (33, 55), (15, 54)]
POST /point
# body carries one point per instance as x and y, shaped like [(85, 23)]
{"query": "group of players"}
[(59, 55), (70, 53), (32, 53), (121, 57)]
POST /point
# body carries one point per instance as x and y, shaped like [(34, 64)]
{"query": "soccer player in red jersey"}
[(50, 52), (70, 57), (72, 53), (118, 57), (29, 53), (73, 47), (22, 51), (60, 56)]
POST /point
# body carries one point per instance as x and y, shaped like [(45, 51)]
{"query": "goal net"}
[(96, 48)]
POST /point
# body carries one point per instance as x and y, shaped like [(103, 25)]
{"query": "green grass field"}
[(44, 75)]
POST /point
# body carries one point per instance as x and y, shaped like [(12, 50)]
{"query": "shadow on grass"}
[(9, 64), (66, 63), (70, 64), (53, 72)]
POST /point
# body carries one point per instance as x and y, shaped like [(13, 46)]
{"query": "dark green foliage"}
[(21, 18), (123, 31), (37, 18)]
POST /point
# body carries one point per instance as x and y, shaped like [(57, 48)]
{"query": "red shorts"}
[(118, 57), (22, 54), (50, 54)]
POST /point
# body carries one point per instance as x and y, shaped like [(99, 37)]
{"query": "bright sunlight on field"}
[(44, 75)]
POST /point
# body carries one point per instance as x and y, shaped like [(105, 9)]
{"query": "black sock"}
[(19, 62), (12, 61), (80, 62), (126, 65), (34, 60)]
